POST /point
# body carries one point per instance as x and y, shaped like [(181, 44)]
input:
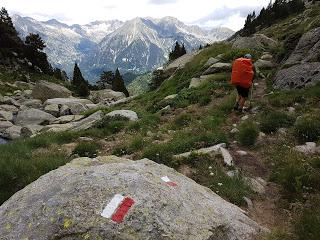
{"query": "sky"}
[(205, 13)]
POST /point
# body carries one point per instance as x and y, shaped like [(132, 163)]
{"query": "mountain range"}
[(137, 46)]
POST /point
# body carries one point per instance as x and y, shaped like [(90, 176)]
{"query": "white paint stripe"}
[(112, 206), (165, 179)]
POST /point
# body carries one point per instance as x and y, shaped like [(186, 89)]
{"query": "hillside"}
[(265, 161)]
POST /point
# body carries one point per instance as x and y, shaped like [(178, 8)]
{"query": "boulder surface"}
[(44, 90), (85, 198)]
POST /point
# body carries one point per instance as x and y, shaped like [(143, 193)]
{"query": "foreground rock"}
[(33, 116), (44, 90), (68, 202)]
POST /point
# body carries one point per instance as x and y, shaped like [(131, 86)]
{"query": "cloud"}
[(161, 2)]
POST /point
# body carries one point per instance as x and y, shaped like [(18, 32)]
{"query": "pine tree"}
[(106, 78), (118, 84), (183, 50), (79, 84), (177, 52)]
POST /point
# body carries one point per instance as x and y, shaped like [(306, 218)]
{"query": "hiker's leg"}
[(242, 102)]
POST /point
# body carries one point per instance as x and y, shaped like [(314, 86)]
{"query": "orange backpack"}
[(242, 72)]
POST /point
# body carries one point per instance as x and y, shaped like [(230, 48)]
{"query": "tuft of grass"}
[(182, 120), (209, 172), (87, 149), (297, 173), (248, 133), (273, 120), (307, 128)]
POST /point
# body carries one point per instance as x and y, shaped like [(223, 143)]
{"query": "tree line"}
[(276, 11)]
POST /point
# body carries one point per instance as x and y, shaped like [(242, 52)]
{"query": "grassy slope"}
[(198, 118)]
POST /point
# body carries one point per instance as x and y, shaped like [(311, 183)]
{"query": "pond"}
[(3, 141)]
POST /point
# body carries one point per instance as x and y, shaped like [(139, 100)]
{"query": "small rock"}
[(6, 115), (85, 139), (242, 153), (234, 130), (257, 184), (131, 115), (173, 96), (246, 117), (248, 202), (308, 148), (227, 158), (30, 130), (53, 109), (210, 150), (291, 109), (12, 133), (282, 131), (233, 173)]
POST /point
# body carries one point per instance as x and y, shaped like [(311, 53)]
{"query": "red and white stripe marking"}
[(169, 182), (117, 208)]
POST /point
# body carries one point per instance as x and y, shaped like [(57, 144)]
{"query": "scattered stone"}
[(30, 130), (234, 130), (242, 153), (86, 139), (106, 96), (11, 133), (248, 202), (211, 61), (257, 184), (130, 115), (53, 109), (217, 68), (44, 90), (227, 158), (264, 64), (75, 105), (87, 122), (33, 116), (282, 131), (291, 109), (165, 109), (267, 57), (308, 148), (257, 41), (92, 106), (67, 119), (173, 96), (233, 173), (196, 82), (32, 103), (211, 151), (4, 125), (246, 117), (60, 204), (6, 115)]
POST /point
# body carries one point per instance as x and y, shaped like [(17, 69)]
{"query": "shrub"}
[(307, 226), (307, 128), (272, 121), (182, 120), (248, 133), (87, 149), (204, 100)]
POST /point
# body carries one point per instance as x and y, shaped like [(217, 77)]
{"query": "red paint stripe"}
[(123, 209), (172, 184)]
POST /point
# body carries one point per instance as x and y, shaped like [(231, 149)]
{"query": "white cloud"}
[(189, 11)]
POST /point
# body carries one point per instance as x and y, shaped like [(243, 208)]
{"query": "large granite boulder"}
[(87, 122), (115, 198), (75, 105), (130, 115), (257, 41), (303, 66), (217, 68), (11, 133), (44, 90), (106, 95), (33, 116), (298, 76)]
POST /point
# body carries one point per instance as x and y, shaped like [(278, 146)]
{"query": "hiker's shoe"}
[(236, 107)]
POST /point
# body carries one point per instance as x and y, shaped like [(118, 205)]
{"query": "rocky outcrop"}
[(106, 96), (87, 122), (33, 116), (303, 66), (44, 90), (86, 198), (75, 105), (298, 76), (257, 41), (11, 133), (217, 68), (30, 130), (130, 115)]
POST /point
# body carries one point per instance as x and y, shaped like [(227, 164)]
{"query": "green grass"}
[(182, 121), (297, 173), (271, 121), (248, 133), (209, 172), (307, 128), (87, 149)]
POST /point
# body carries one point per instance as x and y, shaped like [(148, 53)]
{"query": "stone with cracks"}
[(218, 68), (33, 116), (53, 109), (11, 133), (257, 41), (87, 122), (76, 105), (106, 95), (130, 115), (30, 130), (6, 115), (264, 64), (44, 90), (210, 150), (227, 158), (67, 203)]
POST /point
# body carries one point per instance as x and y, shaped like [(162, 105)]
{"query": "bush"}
[(272, 121), (307, 128), (248, 133), (87, 149), (182, 120), (307, 226)]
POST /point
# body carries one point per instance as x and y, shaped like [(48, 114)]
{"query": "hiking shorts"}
[(243, 92)]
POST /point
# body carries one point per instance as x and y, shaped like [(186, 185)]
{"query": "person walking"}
[(243, 72)]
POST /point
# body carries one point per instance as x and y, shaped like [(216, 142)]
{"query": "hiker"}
[(243, 72)]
